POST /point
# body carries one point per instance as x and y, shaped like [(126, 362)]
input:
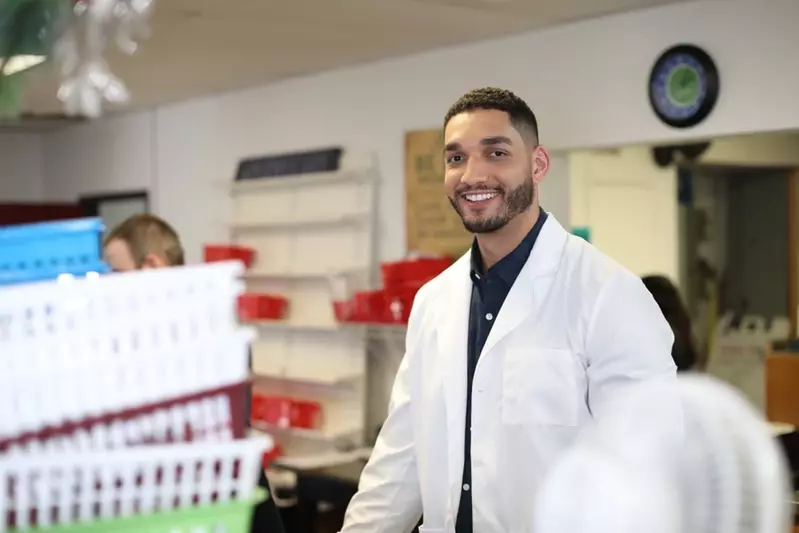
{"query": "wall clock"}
[(683, 86)]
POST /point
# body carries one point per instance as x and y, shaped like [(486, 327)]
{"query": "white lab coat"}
[(574, 331)]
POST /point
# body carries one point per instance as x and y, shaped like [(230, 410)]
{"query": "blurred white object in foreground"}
[(721, 472)]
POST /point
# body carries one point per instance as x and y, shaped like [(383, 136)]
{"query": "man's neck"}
[(496, 245)]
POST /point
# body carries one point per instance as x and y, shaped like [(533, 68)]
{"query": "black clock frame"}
[(712, 78)]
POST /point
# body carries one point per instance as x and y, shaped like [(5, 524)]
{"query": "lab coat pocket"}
[(539, 387), (424, 529)]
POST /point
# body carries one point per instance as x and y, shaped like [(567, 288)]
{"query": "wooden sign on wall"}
[(432, 225)]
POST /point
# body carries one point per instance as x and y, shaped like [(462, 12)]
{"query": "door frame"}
[(793, 250), (91, 203)]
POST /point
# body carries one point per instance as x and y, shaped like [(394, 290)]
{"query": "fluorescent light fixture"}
[(19, 63)]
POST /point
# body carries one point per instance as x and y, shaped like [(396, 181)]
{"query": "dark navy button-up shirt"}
[(489, 290)]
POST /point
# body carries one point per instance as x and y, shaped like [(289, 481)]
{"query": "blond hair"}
[(147, 234)]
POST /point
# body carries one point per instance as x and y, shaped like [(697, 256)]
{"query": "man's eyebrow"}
[(491, 141), (488, 141)]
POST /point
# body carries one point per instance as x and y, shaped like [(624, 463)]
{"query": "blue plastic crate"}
[(44, 251)]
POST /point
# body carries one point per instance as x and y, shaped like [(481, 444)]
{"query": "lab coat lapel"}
[(532, 285), (452, 338)]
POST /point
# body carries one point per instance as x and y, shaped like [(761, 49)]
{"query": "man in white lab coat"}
[(510, 352)]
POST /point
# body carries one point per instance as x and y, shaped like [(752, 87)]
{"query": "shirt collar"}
[(507, 269)]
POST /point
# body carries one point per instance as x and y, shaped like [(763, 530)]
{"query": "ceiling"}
[(198, 47)]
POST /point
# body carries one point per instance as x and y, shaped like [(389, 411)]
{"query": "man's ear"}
[(540, 164), (153, 261)]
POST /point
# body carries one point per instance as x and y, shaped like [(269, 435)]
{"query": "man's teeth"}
[(482, 197)]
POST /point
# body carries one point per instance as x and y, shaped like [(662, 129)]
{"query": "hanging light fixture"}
[(87, 80), (76, 34)]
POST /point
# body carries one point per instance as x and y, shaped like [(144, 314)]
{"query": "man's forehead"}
[(117, 248), (474, 127), (115, 245)]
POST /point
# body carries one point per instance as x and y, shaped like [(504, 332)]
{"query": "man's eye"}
[(498, 153), (454, 159)]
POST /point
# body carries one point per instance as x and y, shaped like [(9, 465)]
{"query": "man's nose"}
[(475, 173)]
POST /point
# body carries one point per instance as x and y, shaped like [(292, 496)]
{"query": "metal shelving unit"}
[(305, 230)]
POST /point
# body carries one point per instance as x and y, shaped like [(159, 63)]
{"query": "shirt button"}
[(489, 316), (465, 486)]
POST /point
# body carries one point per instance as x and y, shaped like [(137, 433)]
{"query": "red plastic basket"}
[(283, 411), (229, 252), (258, 306), (370, 306), (377, 307), (343, 310), (412, 273), (212, 415), (399, 305)]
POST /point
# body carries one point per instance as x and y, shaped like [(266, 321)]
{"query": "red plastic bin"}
[(377, 307), (157, 423), (399, 305), (274, 410), (306, 414), (370, 306), (260, 306), (343, 310), (229, 252), (412, 273), (282, 411)]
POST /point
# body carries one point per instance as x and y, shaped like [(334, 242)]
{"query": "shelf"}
[(300, 276), (311, 434), (332, 328), (322, 460), (332, 381), (301, 180), (314, 236), (289, 326), (292, 225)]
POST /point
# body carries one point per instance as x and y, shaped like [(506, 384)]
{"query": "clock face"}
[(683, 86)]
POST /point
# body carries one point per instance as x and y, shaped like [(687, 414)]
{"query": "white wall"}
[(104, 156), (586, 81), (21, 176)]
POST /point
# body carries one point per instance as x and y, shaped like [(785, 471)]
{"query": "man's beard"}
[(516, 202)]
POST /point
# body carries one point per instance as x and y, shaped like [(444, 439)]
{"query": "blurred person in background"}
[(668, 298), (141, 242)]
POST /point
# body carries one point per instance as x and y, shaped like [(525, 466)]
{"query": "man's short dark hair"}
[(521, 116)]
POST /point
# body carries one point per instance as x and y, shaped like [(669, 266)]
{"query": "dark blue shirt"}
[(489, 290)]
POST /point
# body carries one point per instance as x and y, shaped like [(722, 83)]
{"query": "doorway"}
[(756, 277), (738, 233), (115, 208)]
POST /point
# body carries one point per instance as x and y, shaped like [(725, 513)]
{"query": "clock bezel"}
[(707, 105)]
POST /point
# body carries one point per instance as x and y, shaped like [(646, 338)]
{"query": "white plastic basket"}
[(37, 492), (83, 348)]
